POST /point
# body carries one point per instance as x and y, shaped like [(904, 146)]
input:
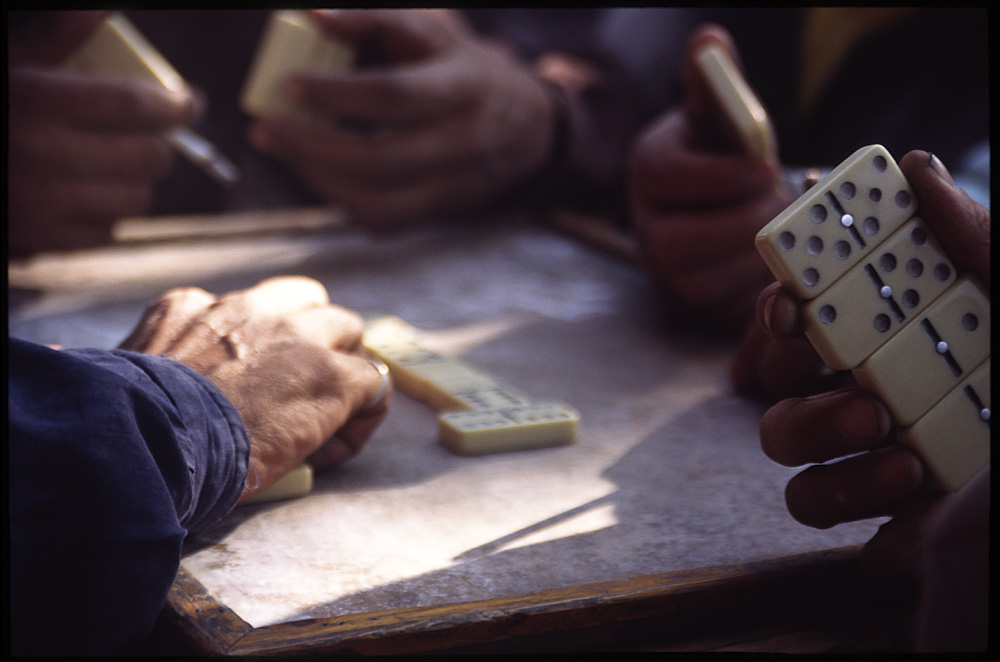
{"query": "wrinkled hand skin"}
[(452, 121), (84, 150), (292, 364), (697, 204), (860, 471)]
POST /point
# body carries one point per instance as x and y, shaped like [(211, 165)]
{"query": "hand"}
[(456, 121), (697, 205), (775, 359), (290, 362), (877, 477), (83, 150)]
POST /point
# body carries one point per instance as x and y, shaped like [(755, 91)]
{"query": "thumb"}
[(960, 224)]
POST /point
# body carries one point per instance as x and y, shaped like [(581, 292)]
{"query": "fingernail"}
[(863, 421), (939, 167), (780, 318), (768, 313)]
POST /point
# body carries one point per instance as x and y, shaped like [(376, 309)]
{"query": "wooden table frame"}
[(675, 603)]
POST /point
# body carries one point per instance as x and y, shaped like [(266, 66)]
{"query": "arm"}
[(113, 458), (116, 455)]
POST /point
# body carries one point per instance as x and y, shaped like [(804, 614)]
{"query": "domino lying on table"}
[(477, 413), (882, 299)]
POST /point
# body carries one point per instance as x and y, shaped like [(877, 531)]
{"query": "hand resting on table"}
[(291, 362)]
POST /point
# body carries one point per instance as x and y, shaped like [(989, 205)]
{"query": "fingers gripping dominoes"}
[(291, 42), (296, 483), (882, 299), (117, 48), (478, 413)]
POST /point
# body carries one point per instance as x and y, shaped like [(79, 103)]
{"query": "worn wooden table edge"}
[(214, 629)]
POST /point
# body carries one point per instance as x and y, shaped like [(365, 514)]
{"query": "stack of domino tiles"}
[(882, 299)]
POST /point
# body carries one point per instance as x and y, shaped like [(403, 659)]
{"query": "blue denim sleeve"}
[(113, 458)]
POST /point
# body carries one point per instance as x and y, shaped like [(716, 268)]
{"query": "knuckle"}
[(185, 298)]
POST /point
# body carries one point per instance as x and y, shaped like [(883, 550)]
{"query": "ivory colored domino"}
[(291, 42), (932, 354), (877, 298), (837, 222), (496, 397), (430, 377), (478, 414), (296, 483), (745, 113), (953, 438), (389, 330), (117, 48), (439, 381), (882, 299), (483, 431)]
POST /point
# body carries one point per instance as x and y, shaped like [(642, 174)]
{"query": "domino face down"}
[(881, 298), (478, 414)]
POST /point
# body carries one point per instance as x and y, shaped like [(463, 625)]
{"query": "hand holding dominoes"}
[(83, 150), (116, 48), (292, 42), (883, 298), (704, 179), (444, 123), (851, 429)]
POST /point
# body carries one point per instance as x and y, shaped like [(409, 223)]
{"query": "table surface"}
[(666, 475)]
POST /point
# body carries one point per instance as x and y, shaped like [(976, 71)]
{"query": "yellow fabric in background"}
[(828, 35)]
